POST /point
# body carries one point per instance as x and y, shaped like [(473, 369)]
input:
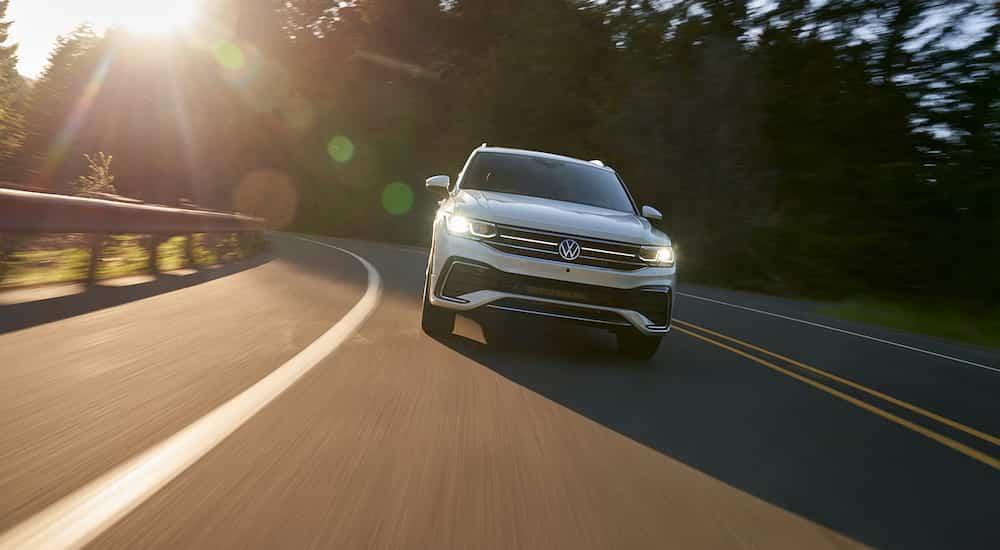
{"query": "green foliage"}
[(942, 319), (99, 179), (38, 267), (123, 255), (51, 122), (55, 259), (12, 91), (171, 254), (205, 255)]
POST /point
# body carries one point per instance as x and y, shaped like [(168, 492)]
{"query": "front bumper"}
[(466, 274)]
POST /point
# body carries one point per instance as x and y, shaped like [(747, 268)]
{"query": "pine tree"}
[(50, 107), (99, 178), (11, 93)]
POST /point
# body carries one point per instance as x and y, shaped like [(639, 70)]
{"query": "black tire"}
[(436, 321), (636, 345)]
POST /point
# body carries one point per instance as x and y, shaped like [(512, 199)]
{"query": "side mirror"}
[(438, 184), (650, 213)]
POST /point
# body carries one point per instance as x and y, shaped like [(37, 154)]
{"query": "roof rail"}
[(483, 145)]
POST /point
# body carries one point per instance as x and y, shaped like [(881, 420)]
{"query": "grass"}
[(123, 255), (941, 320), (172, 254), (39, 267), (962, 322)]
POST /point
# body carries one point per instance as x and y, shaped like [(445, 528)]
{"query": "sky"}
[(37, 23)]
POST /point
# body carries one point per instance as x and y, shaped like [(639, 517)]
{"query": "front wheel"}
[(637, 345), (436, 321)]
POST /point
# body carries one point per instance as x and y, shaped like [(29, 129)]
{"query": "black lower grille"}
[(560, 311), (463, 277)]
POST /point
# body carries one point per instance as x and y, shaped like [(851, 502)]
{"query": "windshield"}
[(548, 179)]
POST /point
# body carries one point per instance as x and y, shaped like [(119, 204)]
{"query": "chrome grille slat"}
[(600, 251), (512, 238), (560, 236), (526, 248), (543, 244)]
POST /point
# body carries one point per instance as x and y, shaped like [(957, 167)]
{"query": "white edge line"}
[(80, 517), (835, 329)]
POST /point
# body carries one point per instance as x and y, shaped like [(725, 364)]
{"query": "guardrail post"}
[(6, 251), (245, 243), (96, 251), (221, 247), (189, 251), (208, 241), (154, 254)]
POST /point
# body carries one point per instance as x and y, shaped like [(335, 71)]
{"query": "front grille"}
[(545, 244), (463, 277)]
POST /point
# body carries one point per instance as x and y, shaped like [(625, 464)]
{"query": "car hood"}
[(556, 216)]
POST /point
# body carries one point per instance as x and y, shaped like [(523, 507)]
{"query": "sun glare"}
[(151, 17)]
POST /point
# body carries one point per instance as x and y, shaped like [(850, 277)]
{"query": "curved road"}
[(293, 402)]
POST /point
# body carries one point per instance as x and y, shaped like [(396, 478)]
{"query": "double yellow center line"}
[(720, 340)]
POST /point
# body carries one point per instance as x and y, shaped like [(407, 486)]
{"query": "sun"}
[(152, 17)]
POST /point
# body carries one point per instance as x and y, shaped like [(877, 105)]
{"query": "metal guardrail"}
[(28, 212)]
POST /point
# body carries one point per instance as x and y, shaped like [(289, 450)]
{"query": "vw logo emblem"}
[(569, 250)]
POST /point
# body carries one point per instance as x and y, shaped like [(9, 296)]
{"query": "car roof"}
[(541, 154)]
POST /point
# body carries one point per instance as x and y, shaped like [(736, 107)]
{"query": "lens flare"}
[(268, 194), (397, 198), (297, 113), (230, 56), (340, 149)]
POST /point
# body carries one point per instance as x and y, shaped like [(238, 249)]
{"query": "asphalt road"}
[(759, 424)]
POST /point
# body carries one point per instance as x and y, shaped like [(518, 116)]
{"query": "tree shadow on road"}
[(736, 422), (580, 368), (31, 313), (527, 338)]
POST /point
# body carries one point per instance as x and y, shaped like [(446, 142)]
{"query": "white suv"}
[(552, 236)]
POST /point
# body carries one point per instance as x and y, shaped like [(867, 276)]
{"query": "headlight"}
[(463, 227), (657, 255), (457, 225)]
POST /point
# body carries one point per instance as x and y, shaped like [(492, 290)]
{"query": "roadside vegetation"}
[(935, 319), (956, 320), (61, 259), (99, 177)]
